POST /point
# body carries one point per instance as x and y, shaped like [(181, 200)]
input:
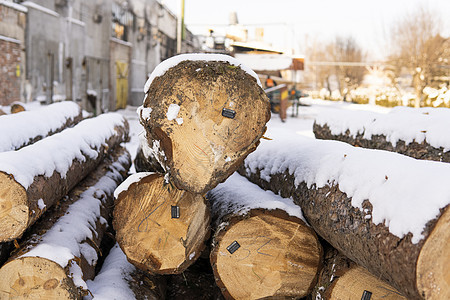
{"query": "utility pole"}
[(180, 31)]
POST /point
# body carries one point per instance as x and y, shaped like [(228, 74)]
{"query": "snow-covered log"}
[(2, 112), (33, 178), (261, 248), (203, 114), (385, 211), (60, 252), (419, 133), (19, 130), (340, 278), (118, 279), (160, 228)]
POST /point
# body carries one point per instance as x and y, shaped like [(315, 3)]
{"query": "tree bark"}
[(414, 269), (168, 227), (17, 107), (222, 115), (416, 150), (60, 252), (260, 252), (118, 279), (22, 203), (144, 163), (20, 130), (340, 279)]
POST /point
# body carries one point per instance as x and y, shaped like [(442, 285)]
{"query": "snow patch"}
[(172, 111), (129, 181)]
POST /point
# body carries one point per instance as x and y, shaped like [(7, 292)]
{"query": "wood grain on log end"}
[(150, 238), (277, 256), (433, 272), (14, 212), (357, 281), (222, 115), (35, 278), (17, 108)]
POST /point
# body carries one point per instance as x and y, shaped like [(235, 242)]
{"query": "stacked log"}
[(202, 115), (261, 248), (17, 107), (169, 227), (418, 133), (37, 124), (33, 178), (340, 278), (60, 252), (396, 231)]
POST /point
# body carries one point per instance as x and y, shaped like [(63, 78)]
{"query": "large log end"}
[(433, 273), (35, 278), (266, 255), (14, 212), (204, 116), (160, 229)]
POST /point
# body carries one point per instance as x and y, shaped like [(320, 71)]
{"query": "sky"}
[(295, 23)]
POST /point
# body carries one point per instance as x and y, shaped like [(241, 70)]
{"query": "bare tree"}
[(418, 46), (346, 50)]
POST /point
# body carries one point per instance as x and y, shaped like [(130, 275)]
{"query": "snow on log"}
[(203, 114), (261, 247), (33, 178), (118, 279), (385, 211), (2, 112), (19, 130), (160, 228), (419, 133), (340, 278), (60, 252)]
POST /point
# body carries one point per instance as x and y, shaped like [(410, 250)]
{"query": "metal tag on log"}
[(366, 295), (228, 113), (175, 212), (233, 247)]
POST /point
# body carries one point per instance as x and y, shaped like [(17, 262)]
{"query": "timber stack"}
[(396, 231), (202, 115), (57, 180)]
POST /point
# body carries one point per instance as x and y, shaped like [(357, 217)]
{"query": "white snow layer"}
[(57, 152), (67, 237), (405, 193), (110, 283), (136, 177), (16, 130), (238, 195), (164, 66), (401, 123)]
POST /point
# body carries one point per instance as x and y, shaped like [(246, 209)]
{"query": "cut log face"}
[(36, 278), (266, 254), (206, 117), (167, 229)]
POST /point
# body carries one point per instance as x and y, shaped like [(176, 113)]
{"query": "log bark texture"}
[(160, 228), (60, 252), (258, 252), (341, 279), (416, 270), (416, 150), (22, 204), (144, 163), (202, 118), (20, 130)]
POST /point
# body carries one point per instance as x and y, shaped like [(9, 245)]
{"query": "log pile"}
[(56, 198), (418, 133), (347, 207)]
